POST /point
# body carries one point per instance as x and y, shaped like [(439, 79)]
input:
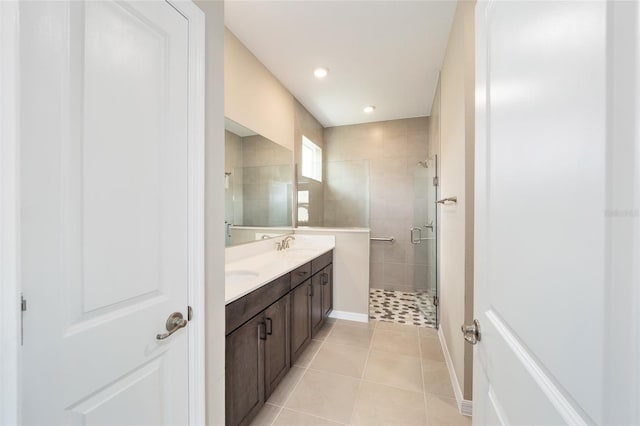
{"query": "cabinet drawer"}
[(300, 274), (320, 262), (240, 311)]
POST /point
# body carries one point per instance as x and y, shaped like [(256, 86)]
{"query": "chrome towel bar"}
[(453, 199), (389, 239)]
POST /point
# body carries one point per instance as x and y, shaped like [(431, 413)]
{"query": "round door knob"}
[(471, 332)]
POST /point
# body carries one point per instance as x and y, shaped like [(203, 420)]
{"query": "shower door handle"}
[(413, 239)]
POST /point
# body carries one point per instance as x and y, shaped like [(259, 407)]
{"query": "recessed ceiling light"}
[(369, 109), (321, 72)]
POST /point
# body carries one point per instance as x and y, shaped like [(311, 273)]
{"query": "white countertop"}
[(242, 276)]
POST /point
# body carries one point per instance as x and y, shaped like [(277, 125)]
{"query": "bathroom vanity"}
[(276, 302)]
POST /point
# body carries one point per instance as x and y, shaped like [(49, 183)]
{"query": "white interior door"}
[(105, 218), (557, 201)]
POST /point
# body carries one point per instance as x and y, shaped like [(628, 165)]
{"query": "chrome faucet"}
[(284, 244)]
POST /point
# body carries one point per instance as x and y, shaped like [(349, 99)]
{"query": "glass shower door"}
[(424, 239)]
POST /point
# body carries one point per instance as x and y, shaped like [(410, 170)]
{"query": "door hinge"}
[(23, 309), (435, 300), (189, 313), (435, 181)]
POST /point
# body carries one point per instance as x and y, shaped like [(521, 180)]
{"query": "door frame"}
[(9, 219), (10, 286), (196, 231)]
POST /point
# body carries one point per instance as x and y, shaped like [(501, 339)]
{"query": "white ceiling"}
[(382, 53)]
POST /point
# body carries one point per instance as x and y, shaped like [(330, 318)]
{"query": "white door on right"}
[(557, 213)]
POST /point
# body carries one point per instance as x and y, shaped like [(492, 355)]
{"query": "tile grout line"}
[(305, 369), (281, 407), (276, 416), (364, 370), (314, 415), (391, 386), (308, 368), (424, 385)]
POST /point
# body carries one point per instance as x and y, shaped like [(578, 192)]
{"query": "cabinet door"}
[(245, 372), (327, 290), (317, 317), (300, 319), (277, 352)]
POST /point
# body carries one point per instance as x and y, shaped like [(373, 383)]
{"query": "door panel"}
[(327, 291), (543, 194), (121, 396), (424, 237), (245, 371), (300, 319), (316, 303), (277, 353), (105, 246), (136, 163)]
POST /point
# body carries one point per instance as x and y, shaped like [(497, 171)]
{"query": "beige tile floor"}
[(366, 374)]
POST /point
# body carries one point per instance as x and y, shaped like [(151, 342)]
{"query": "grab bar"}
[(453, 199), (389, 239)]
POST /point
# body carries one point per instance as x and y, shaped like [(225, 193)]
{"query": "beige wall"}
[(392, 149), (253, 97), (214, 212), (350, 271), (456, 221)]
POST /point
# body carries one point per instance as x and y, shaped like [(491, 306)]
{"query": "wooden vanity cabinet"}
[(268, 329), (277, 355), (300, 319), (317, 314), (244, 375), (257, 349), (321, 290), (300, 275), (327, 290)]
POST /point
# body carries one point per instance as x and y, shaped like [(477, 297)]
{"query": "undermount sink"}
[(234, 277)]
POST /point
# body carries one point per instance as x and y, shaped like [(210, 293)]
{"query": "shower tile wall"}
[(267, 182), (305, 124), (259, 183), (346, 195), (392, 150)]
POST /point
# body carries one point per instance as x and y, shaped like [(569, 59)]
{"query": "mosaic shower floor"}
[(402, 307)]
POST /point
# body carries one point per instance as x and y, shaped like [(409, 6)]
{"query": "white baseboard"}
[(464, 405), (349, 316)]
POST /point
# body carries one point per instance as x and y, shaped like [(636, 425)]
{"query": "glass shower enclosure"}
[(424, 239)]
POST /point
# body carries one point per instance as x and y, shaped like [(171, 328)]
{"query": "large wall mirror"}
[(258, 186)]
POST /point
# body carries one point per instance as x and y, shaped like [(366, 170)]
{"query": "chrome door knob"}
[(174, 323), (471, 332)]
